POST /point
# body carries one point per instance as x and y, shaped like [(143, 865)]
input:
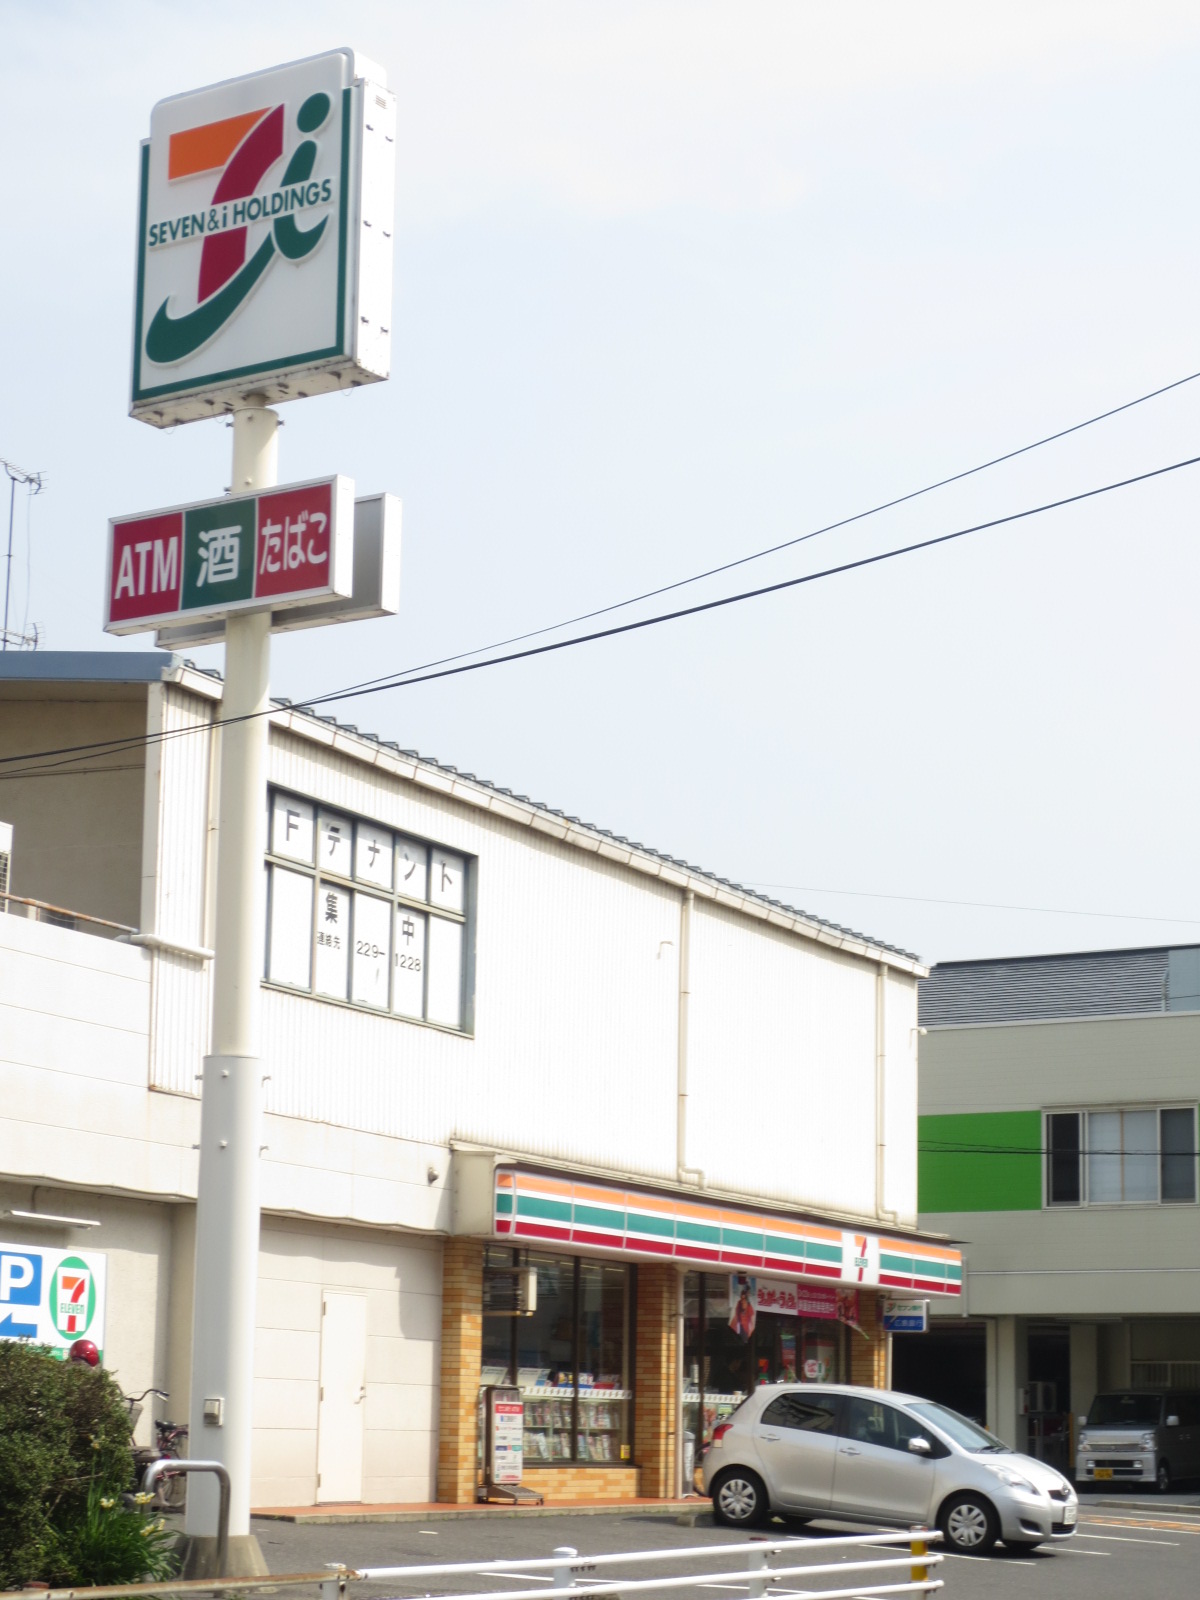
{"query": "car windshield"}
[(961, 1429), (1125, 1411)]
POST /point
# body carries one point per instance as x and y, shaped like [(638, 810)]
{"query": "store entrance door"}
[(343, 1391), (793, 1350)]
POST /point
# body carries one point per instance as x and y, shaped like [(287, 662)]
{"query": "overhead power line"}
[(928, 1149), (406, 678), (815, 533)]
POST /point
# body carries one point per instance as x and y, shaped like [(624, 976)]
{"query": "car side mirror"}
[(1172, 1422), (1082, 1421), (919, 1446)]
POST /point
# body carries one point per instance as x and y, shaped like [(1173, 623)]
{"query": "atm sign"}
[(255, 552)]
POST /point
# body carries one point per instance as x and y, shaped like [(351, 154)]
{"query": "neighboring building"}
[(494, 1037), (1058, 1139)]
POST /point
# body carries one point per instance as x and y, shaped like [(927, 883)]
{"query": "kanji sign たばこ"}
[(265, 239), (240, 553)]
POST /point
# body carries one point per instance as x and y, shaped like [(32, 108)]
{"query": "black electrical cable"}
[(404, 680), (1039, 1150), (787, 544)]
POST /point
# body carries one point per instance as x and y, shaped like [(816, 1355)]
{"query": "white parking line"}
[(1012, 1561), (1062, 1549), (1122, 1538)]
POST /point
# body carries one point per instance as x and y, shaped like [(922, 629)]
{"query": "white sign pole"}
[(227, 1208)]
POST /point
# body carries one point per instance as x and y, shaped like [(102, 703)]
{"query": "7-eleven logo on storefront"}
[(72, 1297), (860, 1258)]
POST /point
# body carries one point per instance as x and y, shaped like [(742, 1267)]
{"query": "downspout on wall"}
[(881, 1095), (684, 1173)]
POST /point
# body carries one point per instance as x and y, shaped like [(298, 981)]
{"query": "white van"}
[(1140, 1436)]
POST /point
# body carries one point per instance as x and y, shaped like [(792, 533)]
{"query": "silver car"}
[(807, 1450)]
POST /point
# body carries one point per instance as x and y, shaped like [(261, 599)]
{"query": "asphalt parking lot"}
[(1148, 1549)]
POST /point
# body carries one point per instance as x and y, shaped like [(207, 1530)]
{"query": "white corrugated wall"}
[(574, 1054), (181, 984), (781, 1065), (183, 756), (575, 999), (900, 1098)]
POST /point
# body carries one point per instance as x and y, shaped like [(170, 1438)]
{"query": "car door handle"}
[(773, 1437), (849, 1450)]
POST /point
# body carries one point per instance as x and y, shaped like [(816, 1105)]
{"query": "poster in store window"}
[(444, 988), (290, 959), (333, 941), (372, 953), (408, 975), (333, 851), (743, 1293)]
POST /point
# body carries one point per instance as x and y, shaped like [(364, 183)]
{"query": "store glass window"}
[(571, 1356), (359, 913), (729, 1349)]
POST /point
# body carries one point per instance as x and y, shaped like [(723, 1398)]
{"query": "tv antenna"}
[(34, 482)]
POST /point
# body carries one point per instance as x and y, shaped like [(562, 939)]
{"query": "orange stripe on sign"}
[(209, 146)]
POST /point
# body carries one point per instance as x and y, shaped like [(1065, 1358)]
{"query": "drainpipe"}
[(685, 1173), (880, 1093)]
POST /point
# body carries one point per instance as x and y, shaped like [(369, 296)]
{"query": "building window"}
[(570, 1357), (1138, 1155), (360, 913), (725, 1358)]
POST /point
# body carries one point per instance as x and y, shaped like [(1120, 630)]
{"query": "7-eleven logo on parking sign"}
[(72, 1297)]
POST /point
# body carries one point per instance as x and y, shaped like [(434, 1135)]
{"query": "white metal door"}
[(343, 1396)]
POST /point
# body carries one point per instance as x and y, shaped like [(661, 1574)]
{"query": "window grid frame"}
[(1085, 1202), (393, 897)]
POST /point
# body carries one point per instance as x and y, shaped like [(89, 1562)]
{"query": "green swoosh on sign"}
[(172, 338)]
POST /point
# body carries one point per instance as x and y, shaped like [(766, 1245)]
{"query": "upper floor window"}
[(1140, 1155), (361, 913)]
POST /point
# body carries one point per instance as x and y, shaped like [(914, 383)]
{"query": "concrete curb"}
[(685, 1513)]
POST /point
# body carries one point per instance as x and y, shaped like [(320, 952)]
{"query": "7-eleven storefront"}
[(655, 1315)]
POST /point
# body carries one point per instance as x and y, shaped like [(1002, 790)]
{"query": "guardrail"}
[(19, 905), (765, 1562), (220, 1471)]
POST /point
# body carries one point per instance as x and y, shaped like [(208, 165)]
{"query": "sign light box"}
[(264, 251), (252, 552)]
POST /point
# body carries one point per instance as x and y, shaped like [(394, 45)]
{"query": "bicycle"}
[(170, 1493), (171, 1489)]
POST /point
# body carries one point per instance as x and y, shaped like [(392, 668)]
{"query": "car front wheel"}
[(969, 1525), (739, 1499), (1162, 1478)]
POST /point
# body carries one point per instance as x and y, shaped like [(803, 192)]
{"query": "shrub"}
[(110, 1544), (64, 1438)]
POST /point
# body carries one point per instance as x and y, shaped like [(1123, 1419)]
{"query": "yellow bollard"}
[(919, 1572)]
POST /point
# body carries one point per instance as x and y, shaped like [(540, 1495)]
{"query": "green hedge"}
[(65, 1460)]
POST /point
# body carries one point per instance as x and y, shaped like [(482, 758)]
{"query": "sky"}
[(676, 283)]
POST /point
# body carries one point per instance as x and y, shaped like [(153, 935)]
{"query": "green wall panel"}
[(981, 1161)]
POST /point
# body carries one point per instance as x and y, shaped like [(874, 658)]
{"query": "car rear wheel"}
[(969, 1524), (739, 1499)]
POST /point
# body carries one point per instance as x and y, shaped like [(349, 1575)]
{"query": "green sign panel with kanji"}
[(218, 553)]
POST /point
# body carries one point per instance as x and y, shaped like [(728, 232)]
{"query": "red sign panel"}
[(259, 551), (146, 567), (295, 531)]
